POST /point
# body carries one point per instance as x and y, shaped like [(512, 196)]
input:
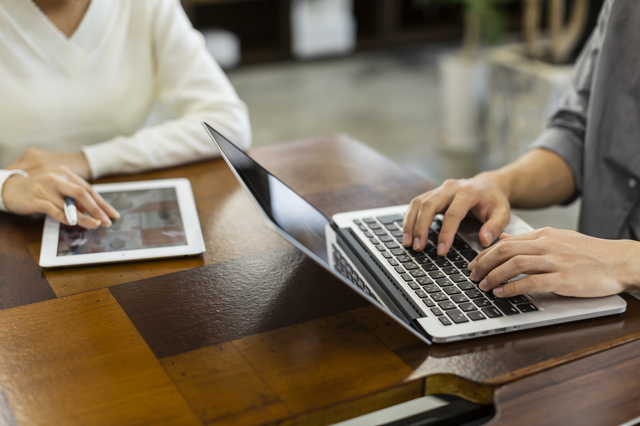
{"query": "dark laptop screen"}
[(288, 210)]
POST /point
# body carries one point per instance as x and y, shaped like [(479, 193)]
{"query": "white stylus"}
[(70, 211)]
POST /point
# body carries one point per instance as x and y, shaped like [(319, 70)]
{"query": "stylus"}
[(70, 211)]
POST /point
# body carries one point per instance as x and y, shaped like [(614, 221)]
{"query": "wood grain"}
[(78, 361), (601, 389), (219, 303), (223, 388)]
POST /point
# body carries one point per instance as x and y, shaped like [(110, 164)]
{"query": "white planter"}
[(463, 85)]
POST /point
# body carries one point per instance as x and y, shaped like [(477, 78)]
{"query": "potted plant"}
[(463, 75)]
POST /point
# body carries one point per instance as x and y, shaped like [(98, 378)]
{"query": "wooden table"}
[(252, 332)]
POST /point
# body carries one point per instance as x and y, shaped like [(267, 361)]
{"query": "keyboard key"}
[(380, 247), (459, 298), (450, 270), (369, 220), (518, 299), (444, 320), (436, 274), (374, 240), (399, 252), (386, 239), (461, 265), (396, 233), (402, 258), (457, 316), (421, 293), (422, 260), (392, 262), (527, 307), (437, 312), (466, 286), (413, 285), (386, 255), (432, 288), (357, 222), (424, 280), (417, 273), (458, 278), (391, 227), (465, 272), (491, 312), (407, 277), (390, 218), (429, 267), (428, 302), (442, 262), (461, 245), (444, 282), (374, 226), (399, 269), (451, 290), (380, 232), (468, 307), (368, 234), (476, 316), (473, 294), (451, 257), (363, 228), (439, 297), (469, 254), (482, 302), (446, 305), (410, 266), (506, 307)]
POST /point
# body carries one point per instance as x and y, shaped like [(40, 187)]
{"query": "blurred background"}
[(446, 88)]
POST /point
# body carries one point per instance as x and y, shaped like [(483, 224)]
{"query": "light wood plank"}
[(79, 361)]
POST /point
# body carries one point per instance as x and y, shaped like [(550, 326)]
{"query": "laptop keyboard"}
[(441, 283)]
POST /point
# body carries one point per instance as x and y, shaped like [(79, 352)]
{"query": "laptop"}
[(430, 296)]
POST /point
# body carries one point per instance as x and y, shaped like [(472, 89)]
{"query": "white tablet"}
[(158, 218)]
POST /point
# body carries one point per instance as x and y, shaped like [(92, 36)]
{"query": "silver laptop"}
[(431, 296)]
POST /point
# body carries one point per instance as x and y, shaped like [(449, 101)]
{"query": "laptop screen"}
[(286, 209)]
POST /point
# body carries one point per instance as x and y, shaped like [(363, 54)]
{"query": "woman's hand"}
[(45, 192), (34, 161), (480, 195), (559, 261)]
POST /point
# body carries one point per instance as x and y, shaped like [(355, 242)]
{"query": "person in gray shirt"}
[(591, 149)]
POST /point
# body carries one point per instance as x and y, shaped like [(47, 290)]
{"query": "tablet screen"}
[(148, 218)]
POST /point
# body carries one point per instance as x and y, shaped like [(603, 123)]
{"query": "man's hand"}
[(45, 192), (480, 195), (34, 161), (563, 262)]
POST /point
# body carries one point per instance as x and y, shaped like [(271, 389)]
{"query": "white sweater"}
[(96, 91)]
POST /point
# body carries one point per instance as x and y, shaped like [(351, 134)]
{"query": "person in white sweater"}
[(81, 84)]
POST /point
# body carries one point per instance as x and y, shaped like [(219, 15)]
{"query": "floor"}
[(387, 99)]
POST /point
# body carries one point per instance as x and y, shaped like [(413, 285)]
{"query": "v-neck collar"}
[(70, 54)]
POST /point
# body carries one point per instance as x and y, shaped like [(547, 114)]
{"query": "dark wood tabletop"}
[(253, 332)]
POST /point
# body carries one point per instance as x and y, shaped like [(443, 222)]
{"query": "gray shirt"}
[(596, 129)]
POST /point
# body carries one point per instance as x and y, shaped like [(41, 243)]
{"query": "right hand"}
[(45, 192), (480, 195)]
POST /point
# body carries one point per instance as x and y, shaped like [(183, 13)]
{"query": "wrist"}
[(500, 179), (629, 276)]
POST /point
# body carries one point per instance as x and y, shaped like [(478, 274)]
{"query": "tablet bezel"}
[(188, 212)]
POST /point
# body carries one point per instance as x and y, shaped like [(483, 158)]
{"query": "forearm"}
[(540, 178)]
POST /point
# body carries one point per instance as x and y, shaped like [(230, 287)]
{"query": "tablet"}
[(158, 218)]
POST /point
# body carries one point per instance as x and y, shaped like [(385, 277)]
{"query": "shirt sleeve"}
[(4, 175), (566, 129), (191, 85)]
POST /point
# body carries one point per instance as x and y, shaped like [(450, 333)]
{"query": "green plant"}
[(483, 20)]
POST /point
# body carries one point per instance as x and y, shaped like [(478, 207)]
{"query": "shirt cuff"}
[(4, 175), (566, 145)]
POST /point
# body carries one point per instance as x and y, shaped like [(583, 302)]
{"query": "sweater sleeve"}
[(4, 175), (565, 133), (191, 85)]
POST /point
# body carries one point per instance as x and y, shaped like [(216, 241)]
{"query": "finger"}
[(496, 222), (50, 209), (513, 267), (529, 284), (504, 236), (430, 207), (88, 222), (409, 221), (83, 198), (456, 211), (499, 253), (100, 201)]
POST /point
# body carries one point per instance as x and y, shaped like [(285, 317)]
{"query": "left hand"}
[(563, 262), (34, 161)]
